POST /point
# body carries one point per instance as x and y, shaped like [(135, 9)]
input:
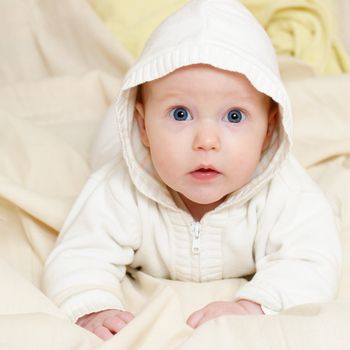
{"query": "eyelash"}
[(180, 109), (238, 112), (185, 114)]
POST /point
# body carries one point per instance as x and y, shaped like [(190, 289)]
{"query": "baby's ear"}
[(140, 118), (272, 122)]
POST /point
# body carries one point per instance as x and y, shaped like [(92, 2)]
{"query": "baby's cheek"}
[(163, 165), (247, 165)]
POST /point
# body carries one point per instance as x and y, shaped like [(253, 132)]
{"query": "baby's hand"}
[(105, 323), (219, 308)]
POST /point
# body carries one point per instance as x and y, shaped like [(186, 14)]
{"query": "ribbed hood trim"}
[(156, 65)]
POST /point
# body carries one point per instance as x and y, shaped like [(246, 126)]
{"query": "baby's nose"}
[(207, 138)]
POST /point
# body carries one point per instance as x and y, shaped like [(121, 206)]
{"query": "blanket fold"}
[(60, 69)]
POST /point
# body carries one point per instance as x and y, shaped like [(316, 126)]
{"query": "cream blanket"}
[(59, 70)]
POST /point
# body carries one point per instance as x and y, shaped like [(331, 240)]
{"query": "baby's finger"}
[(205, 318), (114, 324), (126, 316), (194, 320), (103, 333)]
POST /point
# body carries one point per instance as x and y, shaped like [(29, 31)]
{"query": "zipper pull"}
[(196, 231)]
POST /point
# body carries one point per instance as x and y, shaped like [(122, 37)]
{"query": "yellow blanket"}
[(305, 29), (59, 71)]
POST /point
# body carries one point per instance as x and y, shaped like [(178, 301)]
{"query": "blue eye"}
[(181, 114), (234, 116)]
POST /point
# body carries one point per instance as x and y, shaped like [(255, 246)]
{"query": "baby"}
[(204, 186)]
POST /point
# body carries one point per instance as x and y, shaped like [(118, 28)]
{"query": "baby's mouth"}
[(205, 173), (206, 170)]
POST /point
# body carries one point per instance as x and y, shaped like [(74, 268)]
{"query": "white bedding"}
[(59, 71)]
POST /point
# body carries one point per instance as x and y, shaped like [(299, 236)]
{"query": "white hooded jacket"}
[(278, 228)]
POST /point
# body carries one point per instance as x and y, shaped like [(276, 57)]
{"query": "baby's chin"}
[(210, 201)]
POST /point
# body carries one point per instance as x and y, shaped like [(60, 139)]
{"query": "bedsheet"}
[(59, 71)]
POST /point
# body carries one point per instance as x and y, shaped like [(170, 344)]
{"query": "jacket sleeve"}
[(83, 272), (298, 253)]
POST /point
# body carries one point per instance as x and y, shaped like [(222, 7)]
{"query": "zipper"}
[(196, 235)]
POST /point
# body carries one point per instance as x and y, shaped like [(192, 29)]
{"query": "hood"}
[(221, 33)]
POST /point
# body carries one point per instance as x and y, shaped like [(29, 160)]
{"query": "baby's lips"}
[(206, 169), (205, 173)]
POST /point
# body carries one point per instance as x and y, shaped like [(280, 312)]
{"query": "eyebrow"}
[(230, 95)]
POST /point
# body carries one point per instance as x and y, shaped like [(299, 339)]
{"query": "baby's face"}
[(206, 130)]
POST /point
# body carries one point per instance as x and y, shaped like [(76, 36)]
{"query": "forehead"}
[(201, 79)]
